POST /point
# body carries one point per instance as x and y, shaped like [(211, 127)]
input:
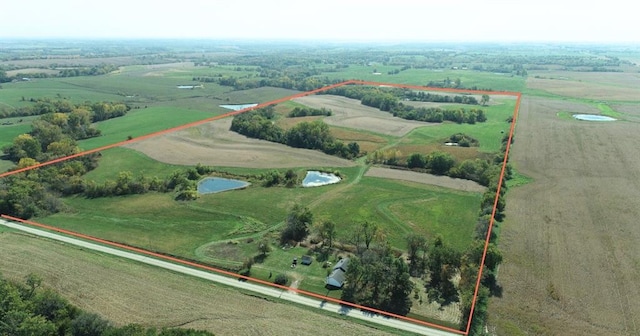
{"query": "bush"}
[(281, 279)]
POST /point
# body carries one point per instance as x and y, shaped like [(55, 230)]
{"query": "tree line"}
[(390, 100), (310, 135), (98, 110), (308, 111), (29, 309)]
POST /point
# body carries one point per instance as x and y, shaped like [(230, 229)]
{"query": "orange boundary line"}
[(276, 101)]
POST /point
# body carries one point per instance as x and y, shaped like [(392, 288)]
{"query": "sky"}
[(334, 20)]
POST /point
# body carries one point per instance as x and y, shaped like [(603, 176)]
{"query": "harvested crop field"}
[(347, 112), (127, 292), (440, 181), (604, 86), (214, 144), (570, 241)]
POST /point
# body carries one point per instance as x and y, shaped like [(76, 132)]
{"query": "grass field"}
[(489, 133), (141, 122), (118, 159)]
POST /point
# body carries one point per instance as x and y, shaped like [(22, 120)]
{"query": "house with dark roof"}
[(338, 273)]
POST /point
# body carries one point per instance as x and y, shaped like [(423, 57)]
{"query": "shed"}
[(337, 276), (306, 260)]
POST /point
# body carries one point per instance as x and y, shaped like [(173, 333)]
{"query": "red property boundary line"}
[(518, 95)]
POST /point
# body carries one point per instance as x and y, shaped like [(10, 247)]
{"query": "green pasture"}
[(118, 159), (401, 208), (489, 133), (140, 122), (9, 132)]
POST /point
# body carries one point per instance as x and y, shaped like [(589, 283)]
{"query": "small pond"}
[(212, 185), (315, 179), (238, 107), (593, 117)]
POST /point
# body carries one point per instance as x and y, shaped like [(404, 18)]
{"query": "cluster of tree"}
[(390, 100), (383, 96), (274, 178), (3, 77), (303, 81), (297, 225), (311, 135), (437, 114), (98, 111), (36, 192), (96, 70), (432, 97), (437, 162), (464, 140), (29, 309), (377, 277), (308, 111), (52, 135)]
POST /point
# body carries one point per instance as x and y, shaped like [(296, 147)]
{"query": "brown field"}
[(126, 292), (213, 144), (570, 241), (592, 85), (32, 70), (350, 113), (440, 181)]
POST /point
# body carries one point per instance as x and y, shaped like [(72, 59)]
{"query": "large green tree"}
[(297, 224)]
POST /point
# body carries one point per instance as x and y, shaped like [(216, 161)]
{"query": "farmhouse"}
[(336, 278)]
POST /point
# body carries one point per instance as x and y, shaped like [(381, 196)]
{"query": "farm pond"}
[(212, 185), (593, 117), (238, 107), (315, 178)]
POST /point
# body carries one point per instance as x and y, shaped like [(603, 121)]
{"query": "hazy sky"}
[(365, 20)]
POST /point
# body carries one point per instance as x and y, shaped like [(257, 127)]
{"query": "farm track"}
[(278, 293)]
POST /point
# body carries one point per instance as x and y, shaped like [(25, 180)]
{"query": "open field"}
[(468, 78), (214, 144), (570, 240), (127, 292), (350, 113), (591, 85)]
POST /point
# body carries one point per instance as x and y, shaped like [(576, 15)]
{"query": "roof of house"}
[(342, 264), (336, 278)]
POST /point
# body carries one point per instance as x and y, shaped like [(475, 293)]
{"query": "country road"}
[(263, 290)]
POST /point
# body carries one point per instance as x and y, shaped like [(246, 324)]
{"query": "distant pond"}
[(315, 179), (238, 107), (593, 117), (212, 185)]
